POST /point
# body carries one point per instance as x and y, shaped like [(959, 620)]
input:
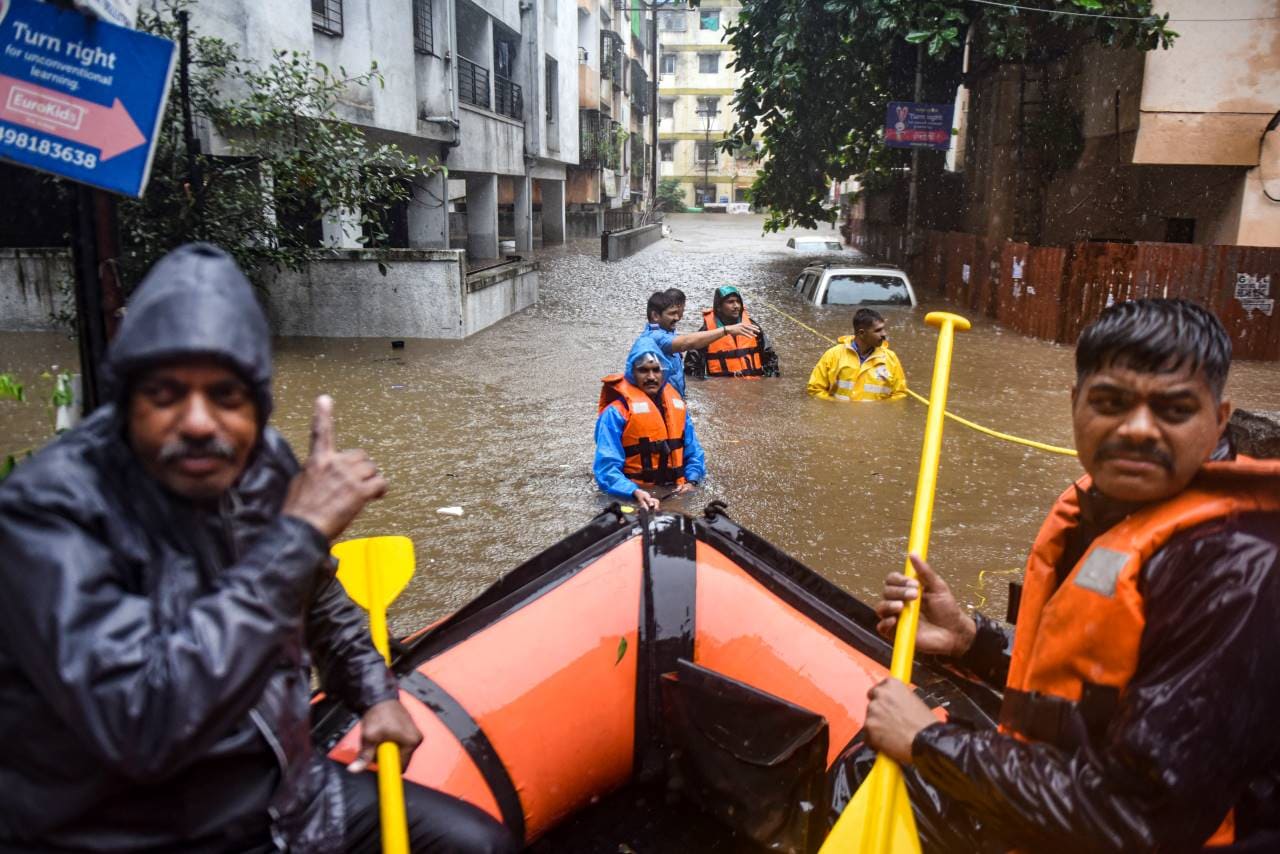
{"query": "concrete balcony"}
[(588, 87)]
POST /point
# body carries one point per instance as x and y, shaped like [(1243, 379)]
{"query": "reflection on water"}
[(501, 425)]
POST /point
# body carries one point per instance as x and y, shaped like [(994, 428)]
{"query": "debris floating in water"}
[(449, 511)]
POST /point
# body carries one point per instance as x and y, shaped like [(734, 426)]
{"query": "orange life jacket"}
[(1076, 643), (732, 355), (653, 440)]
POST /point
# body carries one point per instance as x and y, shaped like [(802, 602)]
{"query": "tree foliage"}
[(670, 195), (293, 159), (817, 75)]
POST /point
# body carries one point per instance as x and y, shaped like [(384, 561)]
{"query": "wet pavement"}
[(501, 424)]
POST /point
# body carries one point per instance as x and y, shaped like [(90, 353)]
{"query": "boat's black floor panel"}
[(642, 820)]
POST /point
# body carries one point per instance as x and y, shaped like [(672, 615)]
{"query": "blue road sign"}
[(80, 97), (911, 125)]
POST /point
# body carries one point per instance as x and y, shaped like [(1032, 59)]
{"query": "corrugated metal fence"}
[(1054, 292)]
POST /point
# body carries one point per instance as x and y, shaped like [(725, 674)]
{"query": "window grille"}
[(668, 63), (326, 16), (551, 70), (423, 26)]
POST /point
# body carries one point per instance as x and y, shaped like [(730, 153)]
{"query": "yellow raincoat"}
[(839, 376)]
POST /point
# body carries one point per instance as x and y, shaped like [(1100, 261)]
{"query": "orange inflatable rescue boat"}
[(656, 683)]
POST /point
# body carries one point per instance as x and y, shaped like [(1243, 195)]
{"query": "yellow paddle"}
[(879, 818), (374, 570)]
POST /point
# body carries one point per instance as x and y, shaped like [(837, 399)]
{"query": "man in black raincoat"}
[(1142, 695), (165, 589)]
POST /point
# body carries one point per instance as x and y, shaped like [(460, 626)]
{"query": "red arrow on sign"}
[(111, 130)]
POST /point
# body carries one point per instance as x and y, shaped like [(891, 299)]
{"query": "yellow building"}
[(695, 110)]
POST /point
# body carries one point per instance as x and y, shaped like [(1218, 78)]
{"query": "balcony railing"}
[(590, 148), (473, 83), (508, 97)]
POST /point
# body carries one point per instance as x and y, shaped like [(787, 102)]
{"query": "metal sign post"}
[(82, 98)]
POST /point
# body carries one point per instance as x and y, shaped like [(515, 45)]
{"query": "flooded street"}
[(501, 424)]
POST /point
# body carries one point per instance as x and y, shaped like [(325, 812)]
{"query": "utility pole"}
[(653, 109), (707, 113), (913, 189)]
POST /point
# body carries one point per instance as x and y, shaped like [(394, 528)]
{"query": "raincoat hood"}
[(195, 301), (645, 346), (722, 294)]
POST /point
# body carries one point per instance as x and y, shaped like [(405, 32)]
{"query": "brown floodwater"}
[(501, 425)]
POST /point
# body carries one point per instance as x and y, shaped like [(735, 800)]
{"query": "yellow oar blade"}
[(390, 557), (862, 829)]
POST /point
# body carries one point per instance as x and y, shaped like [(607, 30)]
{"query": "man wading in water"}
[(1141, 699), (165, 588)]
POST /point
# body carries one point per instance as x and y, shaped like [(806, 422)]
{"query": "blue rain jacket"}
[(672, 362), (609, 459)]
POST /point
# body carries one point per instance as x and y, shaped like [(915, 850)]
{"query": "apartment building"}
[(615, 93), (486, 86), (1176, 145), (696, 84)]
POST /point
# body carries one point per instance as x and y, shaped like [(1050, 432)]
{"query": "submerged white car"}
[(815, 244), (830, 284)]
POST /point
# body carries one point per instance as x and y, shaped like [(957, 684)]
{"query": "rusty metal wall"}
[(1054, 292)]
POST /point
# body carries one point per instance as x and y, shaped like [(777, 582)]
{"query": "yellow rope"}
[(982, 582), (995, 434)]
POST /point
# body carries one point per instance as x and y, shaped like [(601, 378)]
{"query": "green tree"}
[(670, 195), (817, 75), (293, 159)]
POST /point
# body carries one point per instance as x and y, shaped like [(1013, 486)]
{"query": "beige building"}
[(1104, 144), (695, 110)]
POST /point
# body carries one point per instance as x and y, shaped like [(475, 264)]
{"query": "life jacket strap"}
[(664, 474), (1057, 721)]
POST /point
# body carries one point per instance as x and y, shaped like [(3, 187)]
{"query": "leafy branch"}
[(817, 75), (292, 159)]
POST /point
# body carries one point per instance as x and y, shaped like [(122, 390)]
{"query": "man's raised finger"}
[(322, 426)]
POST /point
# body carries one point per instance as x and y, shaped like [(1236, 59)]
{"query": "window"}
[(708, 63), (705, 152), (666, 108), (667, 152), (552, 70), (667, 63), (423, 26), (326, 16), (708, 106), (866, 290), (705, 195), (709, 19), (673, 22), (811, 285)]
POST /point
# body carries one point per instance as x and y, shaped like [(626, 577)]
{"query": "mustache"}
[(181, 448), (1110, 450)]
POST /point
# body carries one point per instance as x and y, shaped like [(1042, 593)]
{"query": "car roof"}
[(885, 269)]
